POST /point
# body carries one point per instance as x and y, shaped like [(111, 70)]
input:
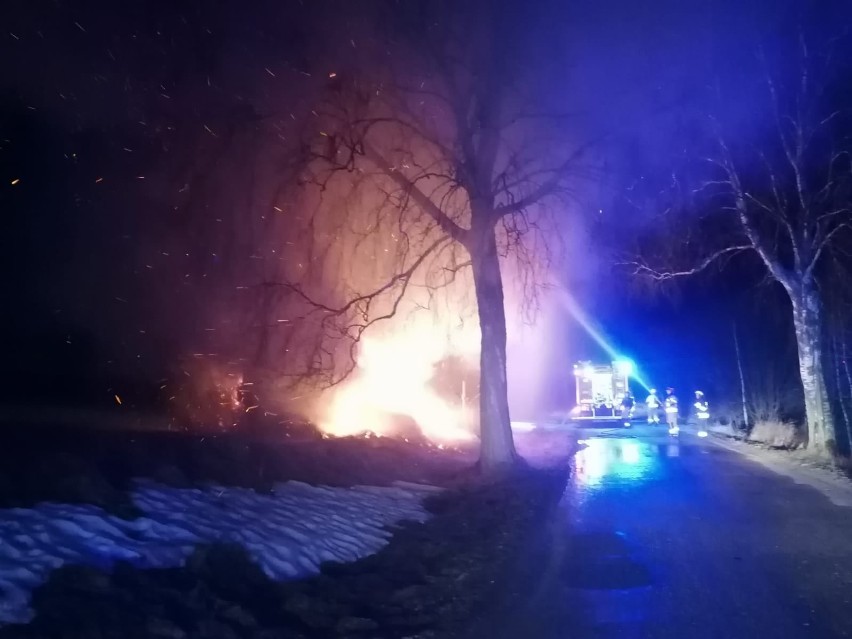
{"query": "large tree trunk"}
[(497, 445), (807, 319)]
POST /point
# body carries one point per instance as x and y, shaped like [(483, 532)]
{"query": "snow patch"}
[(288, 533)]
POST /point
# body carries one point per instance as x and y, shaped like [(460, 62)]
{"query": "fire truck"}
[(600, 389)]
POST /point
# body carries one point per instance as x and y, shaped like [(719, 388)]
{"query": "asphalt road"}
[(676, 537)]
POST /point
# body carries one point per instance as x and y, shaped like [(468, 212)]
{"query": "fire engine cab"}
[(600, 389)]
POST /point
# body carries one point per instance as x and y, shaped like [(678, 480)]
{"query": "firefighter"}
[(670, 404), (653, 405), (627, 404), (702, 413)]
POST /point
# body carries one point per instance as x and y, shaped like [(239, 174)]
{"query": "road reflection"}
[(605, 461)]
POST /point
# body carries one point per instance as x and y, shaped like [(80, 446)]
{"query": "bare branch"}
[(644, 270), (552, 183), (766, 253), (422, 200), (360, 306), (779, 216), (826, 239)]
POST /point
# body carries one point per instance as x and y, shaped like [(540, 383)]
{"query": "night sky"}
[(121, 132)]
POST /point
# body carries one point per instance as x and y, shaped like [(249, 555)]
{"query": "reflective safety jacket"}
[(671, 404), (653, 401), (702, 408)]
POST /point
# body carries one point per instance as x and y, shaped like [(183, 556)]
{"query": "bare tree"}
[(741, 375), (841, 389), (786, 199), (837, 299), (452, 173), (772, 394)]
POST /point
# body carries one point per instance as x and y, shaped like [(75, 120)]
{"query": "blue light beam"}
[(570, 304)]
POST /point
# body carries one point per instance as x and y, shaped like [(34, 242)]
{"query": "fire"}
[(206, 393), (393, 380)]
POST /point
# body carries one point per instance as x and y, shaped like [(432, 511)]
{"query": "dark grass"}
[(78, 465)]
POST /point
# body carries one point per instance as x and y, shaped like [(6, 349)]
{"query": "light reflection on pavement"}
[(601, 461), (677, 538)]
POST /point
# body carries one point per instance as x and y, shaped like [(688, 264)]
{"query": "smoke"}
[(418, 370)]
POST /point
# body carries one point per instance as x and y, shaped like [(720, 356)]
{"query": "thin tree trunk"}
[(807, 316), (255, 374), (840, 397), (497, 445), (844, 359), (742, 376)]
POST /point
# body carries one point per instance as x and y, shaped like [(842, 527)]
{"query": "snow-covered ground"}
[(289, 533)]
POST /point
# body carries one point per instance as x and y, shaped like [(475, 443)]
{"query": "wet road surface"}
[(676, 537)]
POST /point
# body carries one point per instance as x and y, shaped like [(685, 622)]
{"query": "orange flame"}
[(392, 379)]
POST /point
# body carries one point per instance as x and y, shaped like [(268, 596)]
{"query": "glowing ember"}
[(208, 394), (393, 380)]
